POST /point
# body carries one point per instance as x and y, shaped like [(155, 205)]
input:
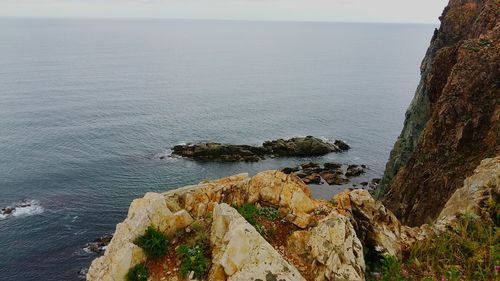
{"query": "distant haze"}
[(403, 11)]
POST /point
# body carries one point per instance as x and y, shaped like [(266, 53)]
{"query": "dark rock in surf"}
[(341, 145), (99, 245), (355, 170)]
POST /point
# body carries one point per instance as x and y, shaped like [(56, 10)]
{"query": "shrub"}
[(153, 242), (137, 273), (194, 258), (388, 268), (249, 212), (469, 250), (268, 213)]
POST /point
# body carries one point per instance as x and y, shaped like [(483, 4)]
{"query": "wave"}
[(22, 208)]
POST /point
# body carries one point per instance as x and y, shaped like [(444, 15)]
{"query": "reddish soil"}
[(279, 231)]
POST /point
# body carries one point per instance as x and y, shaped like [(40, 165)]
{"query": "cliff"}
[(452, 122), (444, 166), (305, 239)]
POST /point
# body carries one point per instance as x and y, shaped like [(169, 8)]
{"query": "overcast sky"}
[(406, 11)]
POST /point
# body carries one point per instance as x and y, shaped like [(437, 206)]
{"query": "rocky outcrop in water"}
[(323, 240), (453, 120), (295, 147), (331, 173)]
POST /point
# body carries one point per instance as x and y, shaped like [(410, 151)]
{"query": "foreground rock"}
[(295, 147), (242, 253), (328, 241)]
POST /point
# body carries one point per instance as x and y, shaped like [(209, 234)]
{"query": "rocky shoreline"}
[(292, 237), (294, 147)]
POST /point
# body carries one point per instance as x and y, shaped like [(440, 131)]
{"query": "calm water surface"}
[(88, 106)]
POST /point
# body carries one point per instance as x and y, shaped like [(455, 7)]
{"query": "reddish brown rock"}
[(460, 92)]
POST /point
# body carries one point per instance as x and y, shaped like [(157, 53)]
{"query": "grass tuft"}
[(467, 250), (137, 273), (154, 243), (195, 257)]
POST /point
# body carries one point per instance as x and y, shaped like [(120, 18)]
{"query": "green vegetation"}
[(137, 273), (333, 201), (195, 256), (248, 212), (251, 213), (470, 250), (268, 213), (153, 242)]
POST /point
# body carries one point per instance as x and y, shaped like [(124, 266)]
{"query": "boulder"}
[(342, 145), (283, 191), (240, 253), (289, 170), (483, 185), (312, 178), (336, 250), (99, 245), (334, 177), (301, 147), (332, 166), (355, 170), (376, 226), (121, 253), (7, 210)]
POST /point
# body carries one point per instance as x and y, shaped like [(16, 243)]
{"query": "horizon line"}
[(214, 19)]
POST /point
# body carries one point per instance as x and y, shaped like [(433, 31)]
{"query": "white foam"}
[(25, 208)]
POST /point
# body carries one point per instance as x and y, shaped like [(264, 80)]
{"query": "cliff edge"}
[(452, 122), (268, 227)]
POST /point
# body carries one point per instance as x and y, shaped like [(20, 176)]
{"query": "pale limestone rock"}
[(121, 254), (481, 186), (200, 199), (336, 249), (242, 253), (298, 242), (285, 192), (477, 189), (376, 225)]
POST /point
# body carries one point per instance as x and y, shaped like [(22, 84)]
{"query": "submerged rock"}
[(295, 147), (342, 145), (355, 170), (7, 210), (331, 165), (333, 177), (331, 173), (313, 178), (289, 170)]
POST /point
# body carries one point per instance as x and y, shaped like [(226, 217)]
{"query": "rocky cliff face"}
[(313, 239), (452, 122)]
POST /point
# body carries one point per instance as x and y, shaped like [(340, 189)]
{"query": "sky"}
[(401, 11)]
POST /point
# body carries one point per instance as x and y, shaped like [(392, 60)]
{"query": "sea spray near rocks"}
[(22, 208)]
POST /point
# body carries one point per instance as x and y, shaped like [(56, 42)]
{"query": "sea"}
[(88, 107)]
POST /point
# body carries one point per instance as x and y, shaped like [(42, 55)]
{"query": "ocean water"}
[(87, 107)]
